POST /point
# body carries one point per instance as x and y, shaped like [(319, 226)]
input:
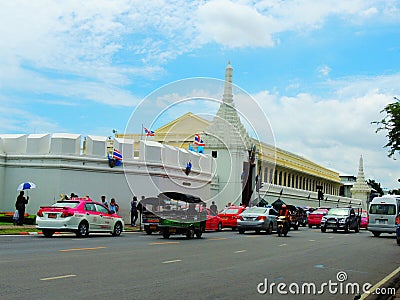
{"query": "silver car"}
[(257, 219)]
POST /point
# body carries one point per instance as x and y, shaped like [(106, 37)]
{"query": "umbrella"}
[(26, 186)]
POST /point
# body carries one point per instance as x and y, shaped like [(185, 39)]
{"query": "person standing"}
[(114, 207), (20, 206), (134, 211), (214, 207), (104, 201)]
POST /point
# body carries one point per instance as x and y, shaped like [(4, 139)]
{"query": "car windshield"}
[(338, 211), (364, 214), (231, 211), (256, 210), (382, 209), (71, 204)]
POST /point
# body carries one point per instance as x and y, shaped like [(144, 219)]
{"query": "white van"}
[(382, 214)]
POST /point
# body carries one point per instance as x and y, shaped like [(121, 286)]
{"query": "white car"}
[(78, 215)]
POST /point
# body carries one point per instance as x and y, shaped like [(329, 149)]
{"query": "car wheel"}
[(48, 232), (199, 234), (270, 228), (323, 229), (148, 231), (376, 233), (258, 231), (166, 234), (346, 228), (334, 230), (83, 229), (296, 227), (309, 226), (190, 233), (117, 229), (241, 231), (357, 229), (233, 228), (398, 241), (219, 227)]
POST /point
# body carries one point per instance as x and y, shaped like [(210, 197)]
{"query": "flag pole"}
[(141, 133)]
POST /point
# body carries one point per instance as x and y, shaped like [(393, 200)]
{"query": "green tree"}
[(391, 123), (376, 186)]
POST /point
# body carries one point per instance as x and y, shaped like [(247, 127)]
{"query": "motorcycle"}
[(283, 225)]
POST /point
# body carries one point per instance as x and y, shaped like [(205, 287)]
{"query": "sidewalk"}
[(31, 229)]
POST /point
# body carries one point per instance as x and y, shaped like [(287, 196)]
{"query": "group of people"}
[(112, 206)]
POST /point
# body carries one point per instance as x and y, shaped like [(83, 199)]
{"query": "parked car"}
[(78, 215), (341, 218), (230, 215), (364, 219), (257, 219), (314, 218)]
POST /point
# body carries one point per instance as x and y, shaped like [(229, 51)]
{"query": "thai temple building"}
[(279, 173), (233, 168)]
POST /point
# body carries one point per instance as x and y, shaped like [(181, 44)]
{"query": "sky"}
[(321, 71)]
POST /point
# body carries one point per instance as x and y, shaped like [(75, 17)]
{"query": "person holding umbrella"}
[(20, 206)]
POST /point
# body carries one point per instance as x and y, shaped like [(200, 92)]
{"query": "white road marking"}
[(171, 261), (58, 277), (372, 290), (311, 240), (217, 239), (282, 245), (240, 251)]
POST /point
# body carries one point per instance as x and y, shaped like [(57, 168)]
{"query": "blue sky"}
[(320, 70)]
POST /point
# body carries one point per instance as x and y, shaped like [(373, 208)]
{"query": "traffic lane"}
[(217, 261)]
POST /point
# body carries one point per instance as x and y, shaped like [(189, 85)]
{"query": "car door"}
[(91, 216), (273, 214), (105, 220)]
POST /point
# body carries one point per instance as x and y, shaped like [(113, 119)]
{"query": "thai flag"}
[(198, 141), (148, 132), (117, 155)]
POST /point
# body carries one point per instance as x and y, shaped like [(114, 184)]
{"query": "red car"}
[(314, 218), (230, 215), (364, 219), (213, 221)]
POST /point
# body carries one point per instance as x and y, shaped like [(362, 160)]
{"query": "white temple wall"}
[(56, 174)]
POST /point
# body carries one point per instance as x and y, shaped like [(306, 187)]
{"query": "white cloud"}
[(332, 132), (235, 25)]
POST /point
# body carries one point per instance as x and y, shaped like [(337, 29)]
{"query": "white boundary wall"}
[(58, 167)]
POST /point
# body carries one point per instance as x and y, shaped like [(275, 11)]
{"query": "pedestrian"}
[(20, 206), (114, 207), (214, 207), (134, 211), (104, 201)]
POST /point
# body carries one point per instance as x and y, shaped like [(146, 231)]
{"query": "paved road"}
[(223, 265)]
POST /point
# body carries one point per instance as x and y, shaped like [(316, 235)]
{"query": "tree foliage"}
[(391, 123), (376, 186)]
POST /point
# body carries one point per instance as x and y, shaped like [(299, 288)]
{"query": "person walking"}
[(20, 206), (134, 211)]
